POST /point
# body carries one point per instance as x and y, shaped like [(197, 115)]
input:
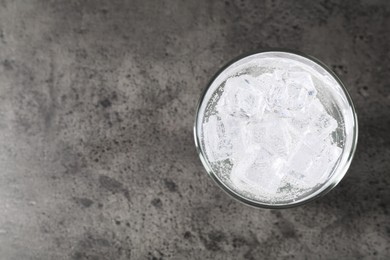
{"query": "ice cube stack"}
[(274, 131)]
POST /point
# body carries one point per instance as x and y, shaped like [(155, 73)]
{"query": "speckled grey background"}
[(97, 159)]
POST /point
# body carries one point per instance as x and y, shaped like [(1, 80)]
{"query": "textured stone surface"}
[(97, 159)]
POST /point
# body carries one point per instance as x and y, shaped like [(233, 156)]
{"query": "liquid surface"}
[(269, 131)]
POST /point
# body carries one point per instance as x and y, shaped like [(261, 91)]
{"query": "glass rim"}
[(340, 170)]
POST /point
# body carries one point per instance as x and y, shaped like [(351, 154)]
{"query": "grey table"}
[(97, 159)]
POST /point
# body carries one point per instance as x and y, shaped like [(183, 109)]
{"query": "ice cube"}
[(234, 129), (312, 162), (276, 96), (301, 89), (264, 83), (323, 165), (323, 125), (313, 120), (241, 98), (258, 170), (301, 159), (271, 133), (299, 124), (217, 142), (291, 91)]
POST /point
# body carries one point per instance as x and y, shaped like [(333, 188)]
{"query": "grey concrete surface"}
[(97, 101)]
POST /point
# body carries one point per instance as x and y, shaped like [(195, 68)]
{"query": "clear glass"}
[(334, 97)]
